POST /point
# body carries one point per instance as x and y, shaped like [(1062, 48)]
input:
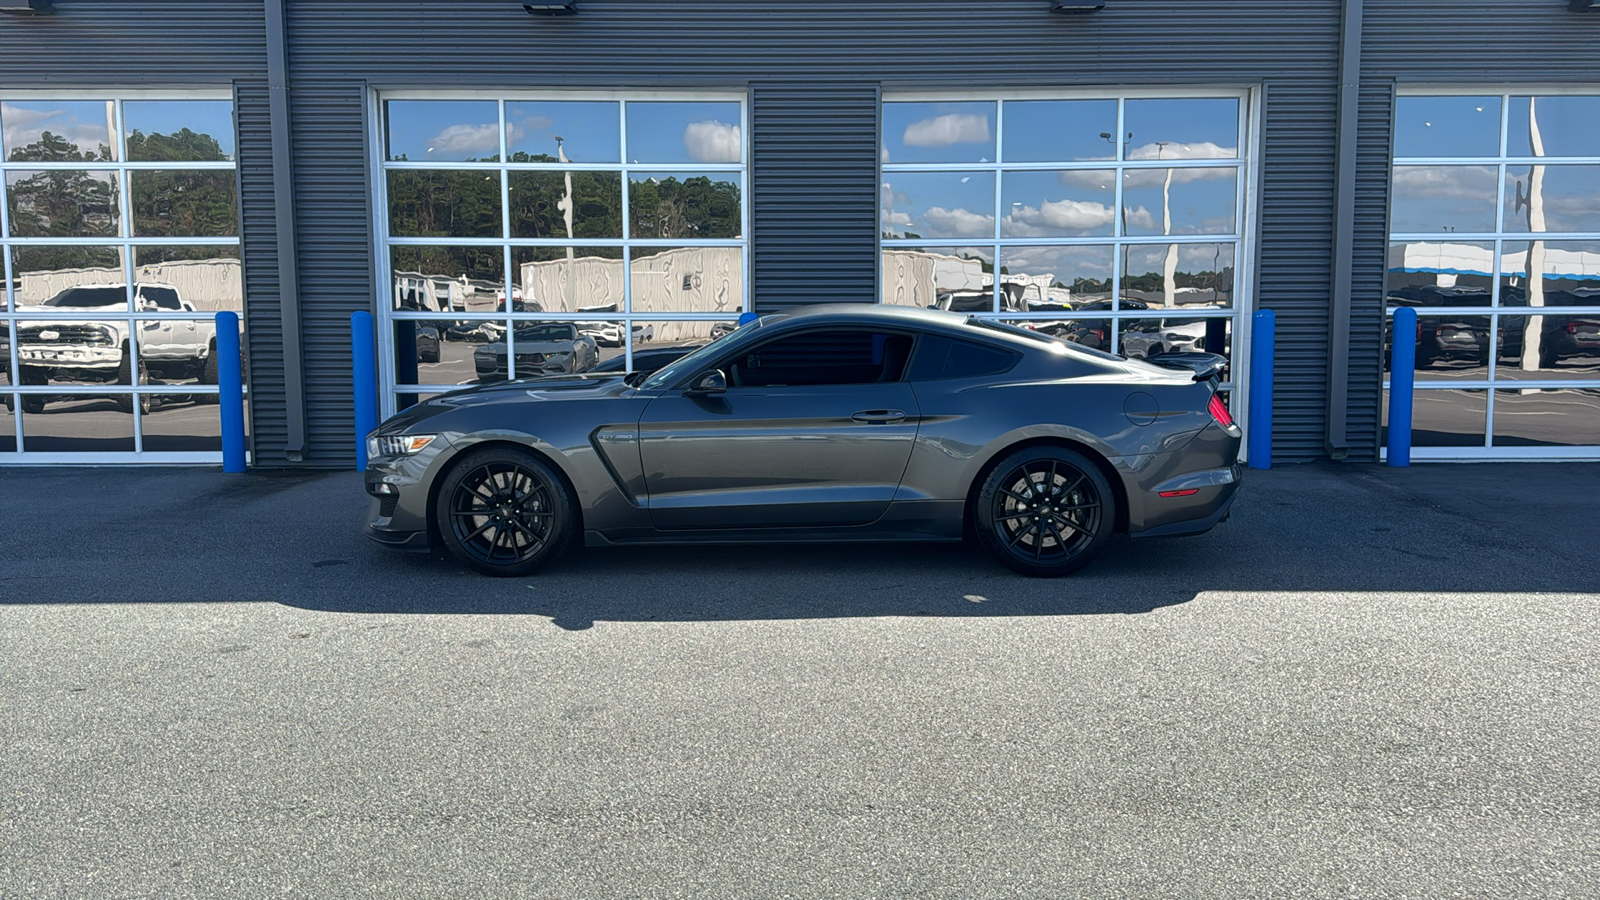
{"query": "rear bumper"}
[(1212, 510)]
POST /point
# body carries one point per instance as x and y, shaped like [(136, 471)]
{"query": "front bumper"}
[(397, 491)]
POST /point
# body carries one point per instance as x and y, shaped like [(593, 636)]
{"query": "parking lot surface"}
[(1370, 682)]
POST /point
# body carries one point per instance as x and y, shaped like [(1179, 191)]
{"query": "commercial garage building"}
[(1143, 175)]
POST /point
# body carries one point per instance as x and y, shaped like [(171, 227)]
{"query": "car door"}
[(814, 429)]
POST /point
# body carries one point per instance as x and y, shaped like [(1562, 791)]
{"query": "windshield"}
[(546, 333), (696, 360), (90, 296)]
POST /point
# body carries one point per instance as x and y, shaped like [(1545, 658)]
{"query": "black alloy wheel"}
[(1046, 511), (504, 512)]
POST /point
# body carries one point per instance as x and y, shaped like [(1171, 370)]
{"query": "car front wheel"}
[(504, 512), (1045, 511)]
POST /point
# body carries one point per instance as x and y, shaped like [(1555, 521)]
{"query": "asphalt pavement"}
[(1370, 682)]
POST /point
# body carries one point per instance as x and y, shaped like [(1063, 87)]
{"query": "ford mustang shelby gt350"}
[(837, 422)]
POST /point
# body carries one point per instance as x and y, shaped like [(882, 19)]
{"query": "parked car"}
[(645, 361), (839, 422), (544, 348), (609, 334), (1093, 333), (1145, 338), (427, 337), (97, 350)]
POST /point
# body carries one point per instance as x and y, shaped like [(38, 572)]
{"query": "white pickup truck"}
[(96, 350)]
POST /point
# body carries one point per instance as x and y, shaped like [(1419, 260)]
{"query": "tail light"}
[(1219, 411)]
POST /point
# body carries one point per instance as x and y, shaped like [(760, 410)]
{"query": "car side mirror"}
[(712, 382)]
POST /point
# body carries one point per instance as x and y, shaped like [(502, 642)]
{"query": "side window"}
[(941, 358), (163, 298), (822, 357)]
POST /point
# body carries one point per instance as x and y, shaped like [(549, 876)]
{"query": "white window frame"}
[(384, 312), (1498, 238), (1246, 200), (126, 243)]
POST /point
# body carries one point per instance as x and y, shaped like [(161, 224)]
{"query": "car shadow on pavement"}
[(78, 536)]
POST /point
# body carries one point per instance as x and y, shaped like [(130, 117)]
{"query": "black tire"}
[(1045, 511), (32, 376), (1547, 357), (125, 402), (430, 357), (504, 512)]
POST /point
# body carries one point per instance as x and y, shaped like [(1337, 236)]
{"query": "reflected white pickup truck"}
[(95, 347)]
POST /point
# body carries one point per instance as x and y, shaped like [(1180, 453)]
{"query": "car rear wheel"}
[(504, 512), (1045, 511)]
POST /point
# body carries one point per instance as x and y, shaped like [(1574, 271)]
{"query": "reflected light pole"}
[(1533, 332)]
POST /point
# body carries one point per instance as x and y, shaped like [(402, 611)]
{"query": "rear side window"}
[(940, 358), (163, 298)]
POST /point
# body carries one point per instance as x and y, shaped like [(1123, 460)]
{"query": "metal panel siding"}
[(1471, 42), (263, 319), (148, 42), (332, 200), (814, 200), (813, 71)]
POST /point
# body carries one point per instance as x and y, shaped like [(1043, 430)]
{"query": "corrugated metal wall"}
[(1469, 42), (263, 320), (814, 71)]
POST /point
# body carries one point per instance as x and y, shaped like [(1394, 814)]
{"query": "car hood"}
[(549, 388)]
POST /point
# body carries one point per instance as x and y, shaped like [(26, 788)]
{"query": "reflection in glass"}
[(75, 351), (1435, 199), (1440, 273), (1453, 346), (57, 130), (1563, 345), (687, 279), (1095, 334), (1565, 125), (1059, 130), (1150, 338), (1178, 275), (178, 130), (80, 424), (567, 204), (1179, 201), (683, 205), (444, 203), (469, 280), (535, 349), (204, 278), (443, 130), (8, 425), (582, 131), (63, 203), (952, 278), (1066, 203), (42, 272), (179, 423), (1552, 198), (954, 132), (937, 205), (439, 351), (1446, 126), (1535, 418), (1181, 129), (1444, 418), (193, 203), (684, 132), (1046, 279), (176, 351), (569, 279), (656, 343)]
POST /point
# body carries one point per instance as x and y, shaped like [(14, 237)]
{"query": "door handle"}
[(879, 416)]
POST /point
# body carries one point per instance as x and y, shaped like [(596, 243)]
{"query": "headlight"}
[(397, 444)]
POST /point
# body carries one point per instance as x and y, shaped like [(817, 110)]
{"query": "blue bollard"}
[(230, 391), (746, 318), (1263, 341), (1402, 381), (364, 376)]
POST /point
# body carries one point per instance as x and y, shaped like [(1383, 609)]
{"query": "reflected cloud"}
[(942, 131), (1052, 217), (960, 222), (713, 142), (464, 139), (1449, 182), (1167, 150)]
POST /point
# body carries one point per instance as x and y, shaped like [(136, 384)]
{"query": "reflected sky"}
[(84, 123), (590, 131), (1568, 126), (1447, 126)]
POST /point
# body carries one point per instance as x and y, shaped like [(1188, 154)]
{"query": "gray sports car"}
[(839, 422)]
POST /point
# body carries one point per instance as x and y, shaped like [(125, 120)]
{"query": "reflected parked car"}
[(427, 343), (545, 348), (842, 422), (1094, 333), (645, 361)]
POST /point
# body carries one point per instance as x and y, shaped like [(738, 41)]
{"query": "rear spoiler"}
[(1205, 366)]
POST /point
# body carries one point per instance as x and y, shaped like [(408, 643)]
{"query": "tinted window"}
[(822, 357), (547, 333), (106, 296), (163, 298), (940, 358)]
